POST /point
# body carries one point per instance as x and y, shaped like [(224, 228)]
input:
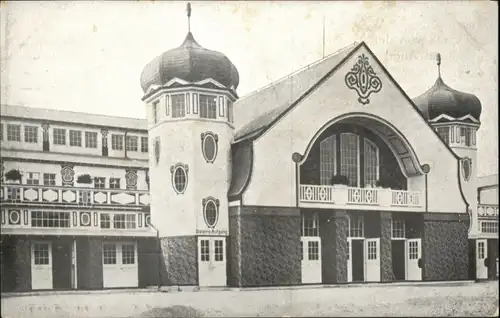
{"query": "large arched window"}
[(349, 158), (327, 159), (371, 164)]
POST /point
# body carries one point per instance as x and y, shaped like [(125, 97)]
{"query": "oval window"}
[(211, 213), (209, 147), (157, 150), (466, 168), (14, 217), (180, 179)]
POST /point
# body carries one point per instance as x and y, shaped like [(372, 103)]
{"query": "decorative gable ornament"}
[(131, 179), (363, 80), (67, 174)]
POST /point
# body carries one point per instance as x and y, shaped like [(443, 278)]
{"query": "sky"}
[(88, 56)]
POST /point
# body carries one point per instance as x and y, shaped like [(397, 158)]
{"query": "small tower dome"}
[(190, 62), (442, 99)]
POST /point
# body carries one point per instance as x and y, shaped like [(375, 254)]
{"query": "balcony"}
[(487, 211), (325, 196), (21, 194), (41, 221)]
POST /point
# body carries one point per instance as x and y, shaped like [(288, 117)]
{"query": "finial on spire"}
[(438, 60), (188, 9)]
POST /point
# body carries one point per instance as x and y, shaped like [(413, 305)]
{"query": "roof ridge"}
[(298, 71)]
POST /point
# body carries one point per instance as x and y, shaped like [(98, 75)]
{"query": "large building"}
[(329, 175)]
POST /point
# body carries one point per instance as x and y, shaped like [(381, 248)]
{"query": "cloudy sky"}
[(88, 56)]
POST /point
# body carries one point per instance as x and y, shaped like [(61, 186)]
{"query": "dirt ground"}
[(467, 299)]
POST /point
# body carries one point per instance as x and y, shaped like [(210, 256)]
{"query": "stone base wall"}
[(180, 260), (265, 246)]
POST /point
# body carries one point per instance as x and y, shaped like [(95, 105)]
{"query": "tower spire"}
[(188, 9), (438, 60)]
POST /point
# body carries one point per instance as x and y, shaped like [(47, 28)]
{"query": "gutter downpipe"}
[(159, 254)]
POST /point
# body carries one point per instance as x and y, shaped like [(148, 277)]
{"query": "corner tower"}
[(189, 93), (455, 117)]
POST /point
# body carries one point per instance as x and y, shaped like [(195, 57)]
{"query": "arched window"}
[(371, 164), (327, 159), (349, 158)]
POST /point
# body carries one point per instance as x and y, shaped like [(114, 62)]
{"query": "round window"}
[(180, 179), (211, 214), (466, 168), (209, 147)]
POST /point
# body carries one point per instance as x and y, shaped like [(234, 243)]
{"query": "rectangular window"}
[(204, 250), (114, 183), (313, 250), (128, 254), (144, 144), (310, 224), (33, 178), (490, 227), (327, 166), (124, 221), (90, 139), (349, 158), (444, 133), (480, 250), (13, 194), (49, 179), (109, 254), (356, 226), (117, 142), (398, 229), (371, 166), (131, 143), (105, 221), (75, 138), (372, 250), (221, 106), (219, 250), (178, 105), (41, 254), (59, 136), (50, 219), (155, 112), (208, 106), (1, 131), (465, 136), (99, 182), (167, 105), (413, 250), (31, 134), (13, 132), (230, 117)]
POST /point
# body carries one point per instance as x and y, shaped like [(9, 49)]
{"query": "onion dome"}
[(192, 63), (442, 99)]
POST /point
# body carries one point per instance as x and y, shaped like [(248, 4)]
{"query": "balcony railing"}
[(22, 193), (358, 196), (487, 210)]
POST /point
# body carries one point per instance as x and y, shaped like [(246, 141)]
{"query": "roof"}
[(257, 110), (78, 118)]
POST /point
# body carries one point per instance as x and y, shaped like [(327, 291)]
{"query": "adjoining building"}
[(329, 175)]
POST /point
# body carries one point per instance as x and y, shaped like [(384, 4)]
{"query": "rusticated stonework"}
[(386, 272), (180, 259), (341, 228), (333, 232), (445, 250), (265, 246)]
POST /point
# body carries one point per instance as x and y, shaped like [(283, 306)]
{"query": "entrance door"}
[(120, 264), (372, 260), (413, 258), (41, 265), (349, 260), (212, 261), (311, 259), (481, 259)]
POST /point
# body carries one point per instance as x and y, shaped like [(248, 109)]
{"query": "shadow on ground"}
[(172, 311)]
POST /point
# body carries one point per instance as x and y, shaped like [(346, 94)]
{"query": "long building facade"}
[(330, 175)]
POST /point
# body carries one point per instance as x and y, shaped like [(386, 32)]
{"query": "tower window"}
[(155, 112), (178, 106), (179, 177), (208, 106), (465, 136), (444, 133), (230, 117)]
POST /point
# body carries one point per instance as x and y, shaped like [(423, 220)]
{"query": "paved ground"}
[(464, 299)]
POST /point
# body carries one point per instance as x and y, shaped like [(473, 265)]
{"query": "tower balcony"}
[(343, 197)]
